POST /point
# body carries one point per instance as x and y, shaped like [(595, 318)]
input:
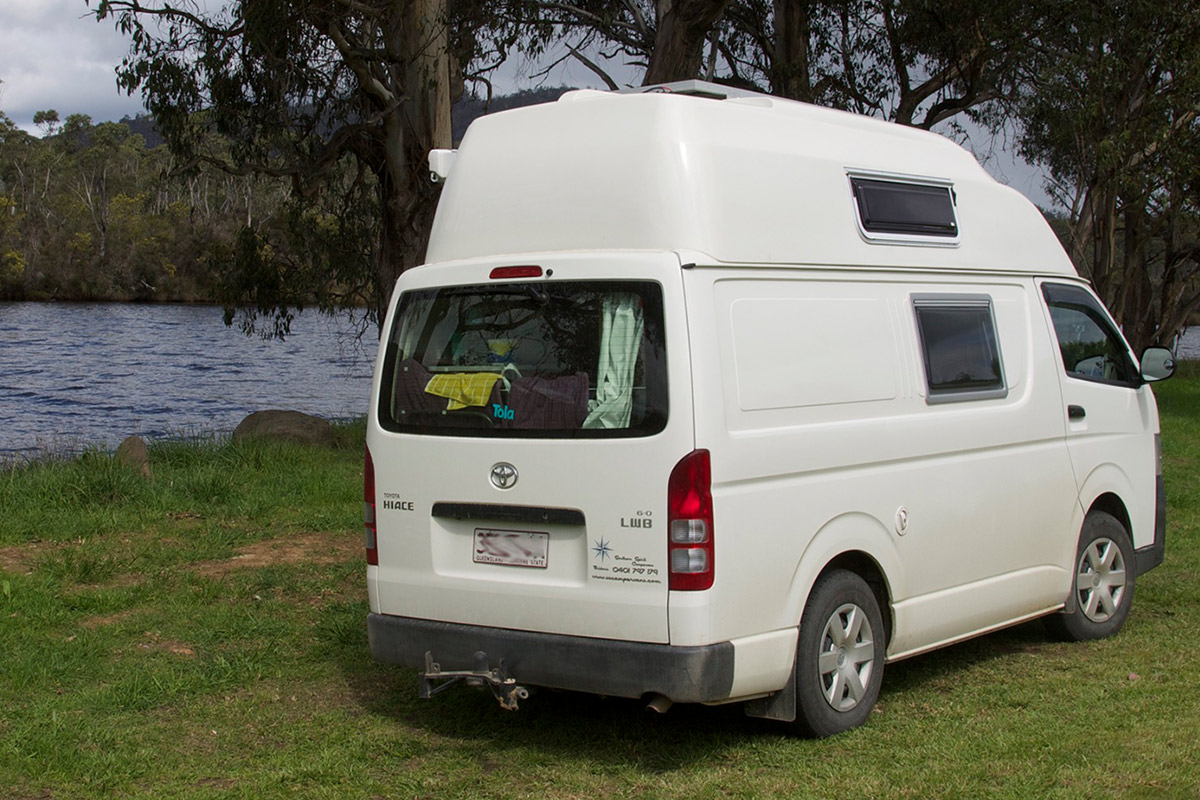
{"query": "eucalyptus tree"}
[(342, 98), (1110, 111), (664, 38), (12, 256), (101, 162), (914, 62)]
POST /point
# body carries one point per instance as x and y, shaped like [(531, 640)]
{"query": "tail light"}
[(369, 507), (690, 523)]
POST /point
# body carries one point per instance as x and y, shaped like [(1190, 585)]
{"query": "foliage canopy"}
[(333, 105)]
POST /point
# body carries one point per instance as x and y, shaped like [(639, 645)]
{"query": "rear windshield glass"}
[(542, 359)]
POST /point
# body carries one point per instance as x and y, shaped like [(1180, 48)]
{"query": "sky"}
[(54, 55)]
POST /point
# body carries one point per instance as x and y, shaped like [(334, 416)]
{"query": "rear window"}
[(563, 359)]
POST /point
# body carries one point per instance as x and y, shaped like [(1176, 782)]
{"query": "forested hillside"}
[(103, 211)]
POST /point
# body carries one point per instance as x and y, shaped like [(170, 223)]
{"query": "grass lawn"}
[(202, 634)]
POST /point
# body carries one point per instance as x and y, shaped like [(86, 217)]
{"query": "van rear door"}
[(525, 421)]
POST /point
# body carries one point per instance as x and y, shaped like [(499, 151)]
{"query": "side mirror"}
[(1158, 363)]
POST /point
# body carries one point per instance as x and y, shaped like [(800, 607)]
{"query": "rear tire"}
[(1102, 586), (839, 655)]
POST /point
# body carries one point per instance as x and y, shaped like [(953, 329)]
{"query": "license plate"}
[(512, 548)]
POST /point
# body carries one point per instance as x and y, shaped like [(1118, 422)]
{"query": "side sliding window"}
[(959, 347)]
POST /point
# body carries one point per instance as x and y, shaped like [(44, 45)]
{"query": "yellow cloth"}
[(462, 389)]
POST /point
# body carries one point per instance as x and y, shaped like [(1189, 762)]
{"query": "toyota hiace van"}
[(711, 397)]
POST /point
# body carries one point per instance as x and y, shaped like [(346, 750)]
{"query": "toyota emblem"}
[(504, 475)]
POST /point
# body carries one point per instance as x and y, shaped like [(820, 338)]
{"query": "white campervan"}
[(714, 398)]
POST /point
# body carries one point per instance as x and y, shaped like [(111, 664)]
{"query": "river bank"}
[(88, 375)]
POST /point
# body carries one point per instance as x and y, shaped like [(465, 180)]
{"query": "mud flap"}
[(435, 680), (781, 705)]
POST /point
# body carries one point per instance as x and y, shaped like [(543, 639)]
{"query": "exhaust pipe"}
[(659, 704)]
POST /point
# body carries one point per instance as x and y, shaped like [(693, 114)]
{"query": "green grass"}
[(201, 635)]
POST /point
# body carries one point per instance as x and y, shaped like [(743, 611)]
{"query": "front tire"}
[(1102, 587), (839, 655)]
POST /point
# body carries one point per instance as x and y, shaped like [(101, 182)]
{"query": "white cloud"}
[(53, 54)]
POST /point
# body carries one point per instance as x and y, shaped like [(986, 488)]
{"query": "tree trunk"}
[(1136, 305), (1105, 255), (407, 197), (790, 68), (404, 230), (683, 25)]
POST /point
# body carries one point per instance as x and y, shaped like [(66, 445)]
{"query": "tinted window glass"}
[(892, 207), (547, 359), (1091, 347), (960, 348)]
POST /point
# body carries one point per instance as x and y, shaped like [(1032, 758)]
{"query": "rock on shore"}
[(133, 452), (292, 426)]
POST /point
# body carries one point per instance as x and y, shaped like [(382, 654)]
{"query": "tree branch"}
[(369, 83), (106, 8), (594, 67)]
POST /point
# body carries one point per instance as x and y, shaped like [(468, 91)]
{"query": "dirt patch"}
[(20, 558), (308, 548), (215, 783), (156, 642), (92, 623)]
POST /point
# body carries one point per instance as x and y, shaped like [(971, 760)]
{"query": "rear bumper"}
[(600, 666)]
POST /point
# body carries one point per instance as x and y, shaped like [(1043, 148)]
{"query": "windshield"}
[(548, 359)]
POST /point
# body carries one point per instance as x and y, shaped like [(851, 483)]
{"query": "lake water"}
[(1189, 345), (75, 375)]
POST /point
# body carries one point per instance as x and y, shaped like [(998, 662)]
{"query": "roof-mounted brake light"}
[(515, 272)]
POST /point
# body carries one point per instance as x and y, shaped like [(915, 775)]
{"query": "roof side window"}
[(1091, 347), (959, 347), (899, 211)]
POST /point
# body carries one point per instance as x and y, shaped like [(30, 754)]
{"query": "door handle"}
[(1076, 412)]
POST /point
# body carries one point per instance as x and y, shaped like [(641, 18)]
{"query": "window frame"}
[(958, 302), (898, 233)]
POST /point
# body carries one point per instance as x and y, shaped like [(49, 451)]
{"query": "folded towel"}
[(463, 389)]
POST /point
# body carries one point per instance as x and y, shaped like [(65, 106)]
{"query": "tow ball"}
[(435, 680)]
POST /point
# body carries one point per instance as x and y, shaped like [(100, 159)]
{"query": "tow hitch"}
[(504, 688)]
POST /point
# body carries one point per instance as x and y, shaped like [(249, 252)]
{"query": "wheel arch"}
[(867, 568), (1106, 489), (1111, 503), (856, 542)]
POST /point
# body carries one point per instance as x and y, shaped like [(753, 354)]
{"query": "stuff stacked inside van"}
[(711, 397)]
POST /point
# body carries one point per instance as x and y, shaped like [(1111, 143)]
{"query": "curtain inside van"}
[(620, 340)]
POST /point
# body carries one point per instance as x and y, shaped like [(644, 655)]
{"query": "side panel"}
[(811, 396)]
